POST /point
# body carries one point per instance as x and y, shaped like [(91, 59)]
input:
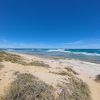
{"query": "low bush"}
[(63, 73), (28, 87), (71, 70), (18, 59), (1, 66), (75, 90), (39, 63), (97, 78), (80, 89)]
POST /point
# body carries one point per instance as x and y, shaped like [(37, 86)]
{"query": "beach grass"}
[(1, 66), (76, 89), (39, 63), (80, 89), (28, 87), (97, 78), (5, 56), (62, 73), (71, 70)]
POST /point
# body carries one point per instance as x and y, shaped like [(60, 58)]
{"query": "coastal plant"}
[(97, 78), (63, 73), (16, 73), (76, 89), (80, 89), (5, 56), (71, 70), (1, 66), (39, 63), (10, 57), (1, 59), (28, 87)]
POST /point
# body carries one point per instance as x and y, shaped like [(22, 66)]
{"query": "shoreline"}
[(54, 57), (89, 67)]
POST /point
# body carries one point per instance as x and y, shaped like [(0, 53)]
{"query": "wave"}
[(72, 52), (85, 53), (10, 49), (57, 50)]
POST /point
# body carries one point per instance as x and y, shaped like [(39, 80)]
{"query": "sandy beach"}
[(86, 71)]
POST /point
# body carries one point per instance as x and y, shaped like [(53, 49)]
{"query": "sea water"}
[(90, 55)]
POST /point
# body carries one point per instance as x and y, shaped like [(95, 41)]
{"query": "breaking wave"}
[(72, 52)]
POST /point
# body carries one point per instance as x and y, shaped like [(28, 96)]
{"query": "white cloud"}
[(87, 43), (8, 44), (75, 42)]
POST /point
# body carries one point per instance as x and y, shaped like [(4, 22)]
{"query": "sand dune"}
[(86, 71)]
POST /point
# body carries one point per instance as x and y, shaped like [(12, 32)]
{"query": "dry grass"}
[(75, 90), (28, 87), (80, 89), (1, 59), (97, 78), (62, 72), (1, 66), (71, 70), (16, 73), (5, 56), (39, 63), (57, 57)]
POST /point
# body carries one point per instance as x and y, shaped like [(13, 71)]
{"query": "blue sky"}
[(50, 23)]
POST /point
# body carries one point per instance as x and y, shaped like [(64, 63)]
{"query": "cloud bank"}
[(87, 43), (82, 44)]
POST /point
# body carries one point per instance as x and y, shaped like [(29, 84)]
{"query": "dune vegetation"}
[(28, 87), (71, 70), (5, 56), (1, 66), (97, 78)]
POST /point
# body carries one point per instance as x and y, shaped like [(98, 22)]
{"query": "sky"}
[(49, 23)]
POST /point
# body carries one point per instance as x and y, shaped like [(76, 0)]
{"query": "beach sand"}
[(86, 71)]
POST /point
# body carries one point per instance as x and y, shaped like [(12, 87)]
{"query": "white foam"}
[(71, 52), (85, 53)]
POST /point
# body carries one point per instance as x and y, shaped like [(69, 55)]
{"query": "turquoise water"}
[(90, 55)]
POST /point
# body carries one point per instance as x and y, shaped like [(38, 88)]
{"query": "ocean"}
[(89, 55)]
